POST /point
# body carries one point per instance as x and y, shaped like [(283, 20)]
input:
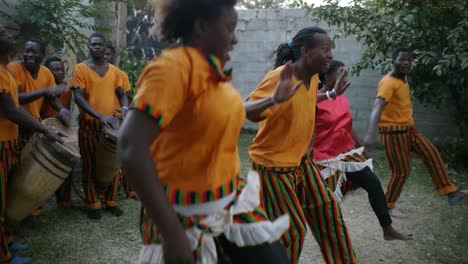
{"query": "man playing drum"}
[(12, 115), (96, 84), (36, 82), (110, 58), (55, 65)]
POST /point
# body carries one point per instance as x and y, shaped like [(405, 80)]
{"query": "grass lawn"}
[(68, 236)]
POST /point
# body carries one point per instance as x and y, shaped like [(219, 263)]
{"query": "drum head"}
[(112, 133), (70, 145)]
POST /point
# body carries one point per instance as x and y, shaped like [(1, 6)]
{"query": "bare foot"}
[(392, 234), (395, 213)]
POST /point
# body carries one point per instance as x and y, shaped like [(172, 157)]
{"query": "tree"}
[(436, 32), (59, 22), (261, 4)]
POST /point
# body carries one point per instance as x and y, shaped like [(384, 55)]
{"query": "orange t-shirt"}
[(399, 109), (65, 99), (286, 130), (99, 91), (8, 129), (45, 79), (201, 118)]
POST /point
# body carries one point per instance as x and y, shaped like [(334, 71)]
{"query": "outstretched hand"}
[(342, 82), (285, 89)]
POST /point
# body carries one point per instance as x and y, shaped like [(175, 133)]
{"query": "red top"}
[(334, 127)]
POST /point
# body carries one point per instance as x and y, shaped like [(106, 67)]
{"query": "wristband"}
[(125, 108), (333, 94), (328, 96), (64, 110)]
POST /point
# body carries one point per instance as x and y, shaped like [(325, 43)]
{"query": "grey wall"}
[(260, 31)]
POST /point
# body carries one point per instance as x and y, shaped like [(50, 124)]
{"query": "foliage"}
[(58, 22), (133, 66), (261, 4), (455, 152), (436, 32)]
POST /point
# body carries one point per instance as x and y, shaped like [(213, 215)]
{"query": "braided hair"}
[(291, 51)]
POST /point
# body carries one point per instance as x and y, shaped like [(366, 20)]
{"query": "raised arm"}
[(285, 90)]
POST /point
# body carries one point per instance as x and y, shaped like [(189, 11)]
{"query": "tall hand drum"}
[(107, 161), (43, 167)]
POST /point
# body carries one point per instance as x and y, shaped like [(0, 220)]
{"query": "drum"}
[(43, 167), (107, 161)]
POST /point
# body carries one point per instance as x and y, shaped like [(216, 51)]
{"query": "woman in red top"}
[(338, 152)]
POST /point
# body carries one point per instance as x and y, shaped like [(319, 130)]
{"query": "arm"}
[(284, 91), (371, 137), (64, 113), (357, 139), (256, 108), (83, 105), (22, 118), (123, 100), (122, 96), (26, 98), (140, 168)]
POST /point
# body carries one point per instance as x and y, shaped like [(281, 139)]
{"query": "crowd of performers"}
[(178, 143)]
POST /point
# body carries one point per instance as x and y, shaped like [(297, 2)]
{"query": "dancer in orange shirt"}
[(392, 118)]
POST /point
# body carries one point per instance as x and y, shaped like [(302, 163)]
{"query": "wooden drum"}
[(107, 161), (43, 167)]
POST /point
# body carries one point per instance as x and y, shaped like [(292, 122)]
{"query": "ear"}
[(199, 27), (305, 51)]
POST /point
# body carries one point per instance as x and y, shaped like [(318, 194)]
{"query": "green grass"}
[(68, 236)]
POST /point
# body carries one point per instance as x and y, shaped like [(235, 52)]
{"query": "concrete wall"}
[(260, 32)]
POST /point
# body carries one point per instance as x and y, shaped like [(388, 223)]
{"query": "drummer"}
[(36, 83), (129, 192), (55, 65), (96, 84), (11, 115)]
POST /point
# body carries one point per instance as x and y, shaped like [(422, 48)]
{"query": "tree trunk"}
[(113, 20)]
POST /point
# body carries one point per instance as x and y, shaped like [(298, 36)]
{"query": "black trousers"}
[(367, 180), (229, 253)]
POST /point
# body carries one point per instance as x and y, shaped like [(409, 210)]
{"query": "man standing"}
[(96, 85), (36, 82), (12, 115), (392, 116), (55, 65), (110, 58)]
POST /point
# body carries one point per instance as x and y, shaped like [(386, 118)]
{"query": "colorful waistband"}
[(180, 197), (396, 129), (9, 144)]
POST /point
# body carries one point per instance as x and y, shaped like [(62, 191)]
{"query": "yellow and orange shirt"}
[(285, 130), (8, 129), (399, 109), (200, 115), (27, 84), (99, 90)]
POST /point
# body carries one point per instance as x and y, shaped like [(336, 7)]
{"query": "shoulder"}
[(15, 66), (46, 72)]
